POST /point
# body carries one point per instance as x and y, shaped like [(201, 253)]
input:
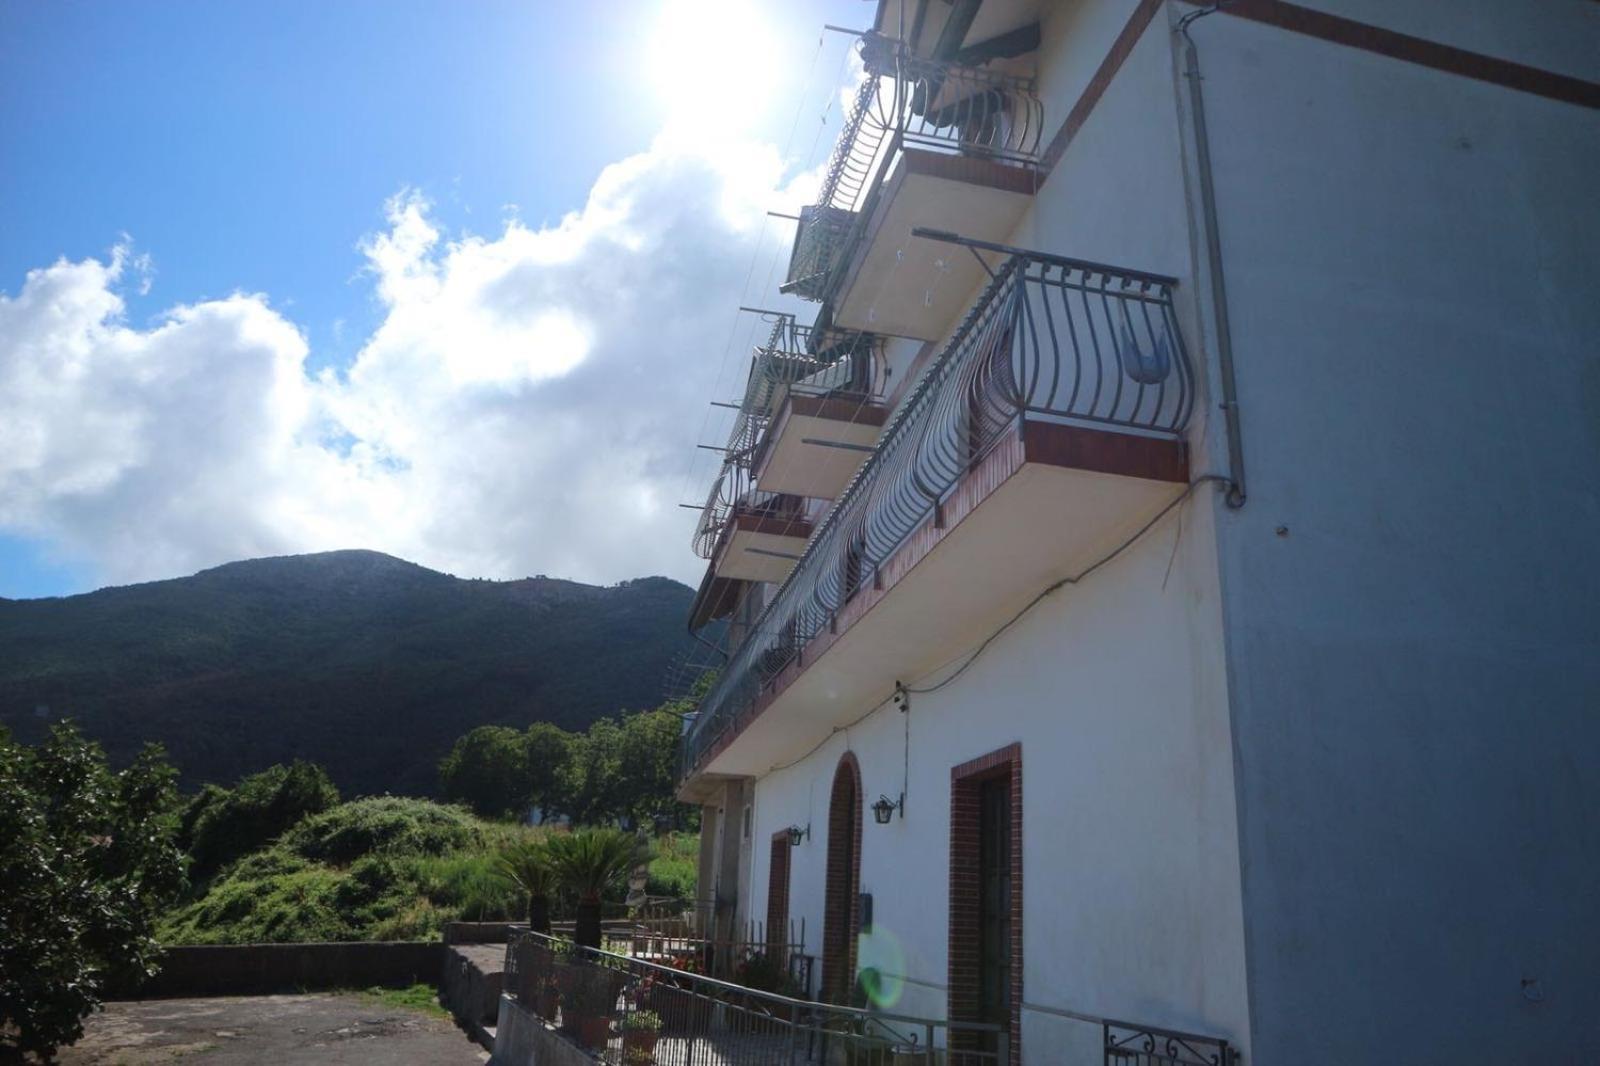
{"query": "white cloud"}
[(526, 403)]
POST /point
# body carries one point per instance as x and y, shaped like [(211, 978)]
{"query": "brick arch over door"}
[(840, 917)]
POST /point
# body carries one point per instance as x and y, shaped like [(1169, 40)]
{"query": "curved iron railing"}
[(795, 358), (1051, 338), (908, 101)]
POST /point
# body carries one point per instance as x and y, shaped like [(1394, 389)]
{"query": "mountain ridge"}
[(369, 664)]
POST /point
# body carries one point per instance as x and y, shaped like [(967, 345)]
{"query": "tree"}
[(588, 863), (528, 866), (88, 857), (488, 770), (647, 765), (547, 750), (593, 780), (219, 824)]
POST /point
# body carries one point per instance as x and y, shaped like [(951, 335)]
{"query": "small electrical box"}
[(864, 911)]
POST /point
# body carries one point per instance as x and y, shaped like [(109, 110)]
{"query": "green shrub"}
[(385, 823), (675, 866), (219, 825)]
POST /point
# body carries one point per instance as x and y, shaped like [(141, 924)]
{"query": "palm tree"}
[(589, 862), (528, 866)]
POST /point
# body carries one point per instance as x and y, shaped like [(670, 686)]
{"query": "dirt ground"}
[(281, 1030)]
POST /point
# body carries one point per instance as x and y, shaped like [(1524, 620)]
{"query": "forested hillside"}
[(366, 664)]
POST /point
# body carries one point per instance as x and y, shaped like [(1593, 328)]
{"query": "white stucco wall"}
[(1412, 262), (1130, 877), (1116, 689)]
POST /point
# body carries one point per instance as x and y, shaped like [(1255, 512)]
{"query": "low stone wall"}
[(473, 974), (523, 1039), (261, 969), (481, 932)]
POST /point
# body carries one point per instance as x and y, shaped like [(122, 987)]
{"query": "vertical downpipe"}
[(1219, 292)]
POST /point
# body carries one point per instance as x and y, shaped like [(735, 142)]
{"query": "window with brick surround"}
[(840, 918), (985, 967)]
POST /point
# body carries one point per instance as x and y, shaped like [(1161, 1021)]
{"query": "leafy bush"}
[(219, 824), (384, 823), (675, 866), (87, 858), (372, 869)]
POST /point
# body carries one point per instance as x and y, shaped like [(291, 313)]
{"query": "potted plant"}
[(588, 999), (763, 972), (640, 1031), (588, 863), (677, 1002), (527, 865), (548, 999)]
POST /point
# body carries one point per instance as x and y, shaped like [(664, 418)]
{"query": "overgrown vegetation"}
[(219, 824), (385, 868)]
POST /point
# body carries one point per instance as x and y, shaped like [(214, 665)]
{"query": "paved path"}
[(278, 1030)]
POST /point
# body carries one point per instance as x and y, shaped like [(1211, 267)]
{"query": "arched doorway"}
[(840, 920)]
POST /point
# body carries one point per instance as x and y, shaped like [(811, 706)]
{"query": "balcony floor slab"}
[(1046, 502), (909, 286)]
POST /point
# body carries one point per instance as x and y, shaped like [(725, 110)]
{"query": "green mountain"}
[(365, 663)]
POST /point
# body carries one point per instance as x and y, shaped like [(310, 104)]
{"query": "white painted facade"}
[(1318, 775)]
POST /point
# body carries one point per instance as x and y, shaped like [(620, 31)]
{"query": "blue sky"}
[(259, 149)]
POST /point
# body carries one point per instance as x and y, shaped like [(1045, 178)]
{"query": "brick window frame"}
[(778, 892), (841, 920), (965, 913)]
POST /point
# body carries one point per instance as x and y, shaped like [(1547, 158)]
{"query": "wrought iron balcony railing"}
[(906, 101), (1051, 338), (795, 359)]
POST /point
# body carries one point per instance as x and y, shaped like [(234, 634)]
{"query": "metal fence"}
[(634, 1012), (1051, 338), (907, 101), (1127, 1044)]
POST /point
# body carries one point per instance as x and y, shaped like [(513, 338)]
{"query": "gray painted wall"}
[(1415, 661)]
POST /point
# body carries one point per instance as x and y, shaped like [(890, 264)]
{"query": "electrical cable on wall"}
[(903, 691)]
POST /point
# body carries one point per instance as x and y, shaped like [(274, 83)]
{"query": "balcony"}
[(924, 142), (806, 382), (1049, 428), (750, 535)]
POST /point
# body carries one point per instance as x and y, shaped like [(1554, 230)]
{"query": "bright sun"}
[(714, 62)]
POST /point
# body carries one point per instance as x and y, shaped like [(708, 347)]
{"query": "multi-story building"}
[(1161, 583)]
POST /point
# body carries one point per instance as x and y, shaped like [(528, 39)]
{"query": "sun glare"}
[(714, 63)]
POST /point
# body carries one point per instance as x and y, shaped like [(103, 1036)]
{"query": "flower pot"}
[(594, 1031), (681, 1012), (639, 1047)]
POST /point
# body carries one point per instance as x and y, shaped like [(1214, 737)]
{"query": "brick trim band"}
[(778, 893), (1337, 29), (965, 902), (840, 922)]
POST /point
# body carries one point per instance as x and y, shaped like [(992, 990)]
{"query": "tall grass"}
[(388, 868)]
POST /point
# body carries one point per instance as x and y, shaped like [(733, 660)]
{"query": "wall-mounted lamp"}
[(884, 809), (796, 834)]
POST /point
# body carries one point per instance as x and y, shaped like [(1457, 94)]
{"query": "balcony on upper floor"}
[(823, 426), (807, 417), (1050, 426), (926, 143), (962, 30)]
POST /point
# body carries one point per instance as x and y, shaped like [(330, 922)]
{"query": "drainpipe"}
[(1219, 294)]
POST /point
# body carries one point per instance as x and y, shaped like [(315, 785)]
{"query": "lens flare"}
[(883, 963)]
